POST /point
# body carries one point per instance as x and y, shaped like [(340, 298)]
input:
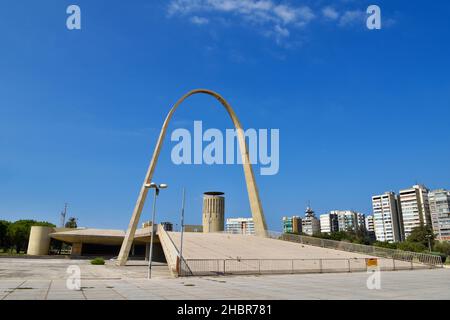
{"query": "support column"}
[(76, 249)]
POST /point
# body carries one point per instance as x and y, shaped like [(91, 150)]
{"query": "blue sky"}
[(360, 112)]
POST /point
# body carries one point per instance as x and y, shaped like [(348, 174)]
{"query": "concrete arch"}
[(252, 189)]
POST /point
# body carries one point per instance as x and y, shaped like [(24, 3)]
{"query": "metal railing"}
[(413, 257), (213, 267)]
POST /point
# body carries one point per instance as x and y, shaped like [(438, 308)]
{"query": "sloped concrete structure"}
[(233, 246)]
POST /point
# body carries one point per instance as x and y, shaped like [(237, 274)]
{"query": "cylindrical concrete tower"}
[(39, 242), (213, 211)]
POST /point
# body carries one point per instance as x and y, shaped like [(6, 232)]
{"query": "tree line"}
[(14, 236), (421, 239)]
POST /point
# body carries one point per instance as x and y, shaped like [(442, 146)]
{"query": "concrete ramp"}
[(236, 246), (222, 253), (170, 250)]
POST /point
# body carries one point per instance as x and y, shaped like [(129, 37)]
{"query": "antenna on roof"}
[(63, 215)]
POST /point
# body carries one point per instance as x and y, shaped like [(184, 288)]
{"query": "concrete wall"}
[(39, 242)]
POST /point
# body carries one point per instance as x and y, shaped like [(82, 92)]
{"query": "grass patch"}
[(98, 261)]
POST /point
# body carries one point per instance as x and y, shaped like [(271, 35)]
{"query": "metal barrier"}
[(387, 260), (413, 257), (214, 267)]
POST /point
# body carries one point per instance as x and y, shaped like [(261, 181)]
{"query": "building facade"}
[(386, 217), (361, 221), (370, 226), (240, 226), (414, 208), (347, 219), (440, 213), (292, 224), (310, 224), (329, 223)]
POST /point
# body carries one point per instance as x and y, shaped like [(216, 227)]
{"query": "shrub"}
[(443, 255), (98, 261), (443, 247), (412, 246), (387, 245)]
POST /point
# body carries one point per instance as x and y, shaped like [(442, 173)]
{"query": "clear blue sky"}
[(360, 112)]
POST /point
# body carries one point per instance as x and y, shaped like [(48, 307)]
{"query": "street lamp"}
[(428, 236), (156, 187)]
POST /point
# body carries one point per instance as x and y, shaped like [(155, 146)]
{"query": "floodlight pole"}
[(156, 187), (153, 235), (182, 229), (428, 236)]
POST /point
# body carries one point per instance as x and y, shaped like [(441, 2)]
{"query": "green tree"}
[(19, 232), (442, 247), (71, 223), (411, 246), (4, 240), (420, 235), (385, 244)]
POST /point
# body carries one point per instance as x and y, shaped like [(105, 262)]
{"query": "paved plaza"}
[(22, 278)]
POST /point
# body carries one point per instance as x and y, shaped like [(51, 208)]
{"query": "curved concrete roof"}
[(100, 236)]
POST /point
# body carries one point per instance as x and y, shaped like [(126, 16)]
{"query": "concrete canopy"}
[(100, 236)]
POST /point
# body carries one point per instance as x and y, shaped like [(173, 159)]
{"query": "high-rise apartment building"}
[(361, 218), (370, 226), (386, 217), (347, 219), (440, 213), (240, 226), (292, 224), (414, 208), (310, 224), (342, 220), (328, 223)]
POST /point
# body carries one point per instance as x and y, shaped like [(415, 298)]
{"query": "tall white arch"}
[(252, 189)]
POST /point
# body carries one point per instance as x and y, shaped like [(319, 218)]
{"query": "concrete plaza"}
[(22, 278)]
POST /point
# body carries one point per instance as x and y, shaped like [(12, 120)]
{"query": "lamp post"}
[(182, 232), (157, 188), (428, 236)]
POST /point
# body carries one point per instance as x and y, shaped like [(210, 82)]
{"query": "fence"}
[(212, 267), (387, 259), (413, 257)]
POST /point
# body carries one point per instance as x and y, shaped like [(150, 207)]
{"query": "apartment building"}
[(440, 213), (414, 208), (310, 224), (369, 222), (240, 226), (386, 217), (347, 219), (292, 224), (329, 223)]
